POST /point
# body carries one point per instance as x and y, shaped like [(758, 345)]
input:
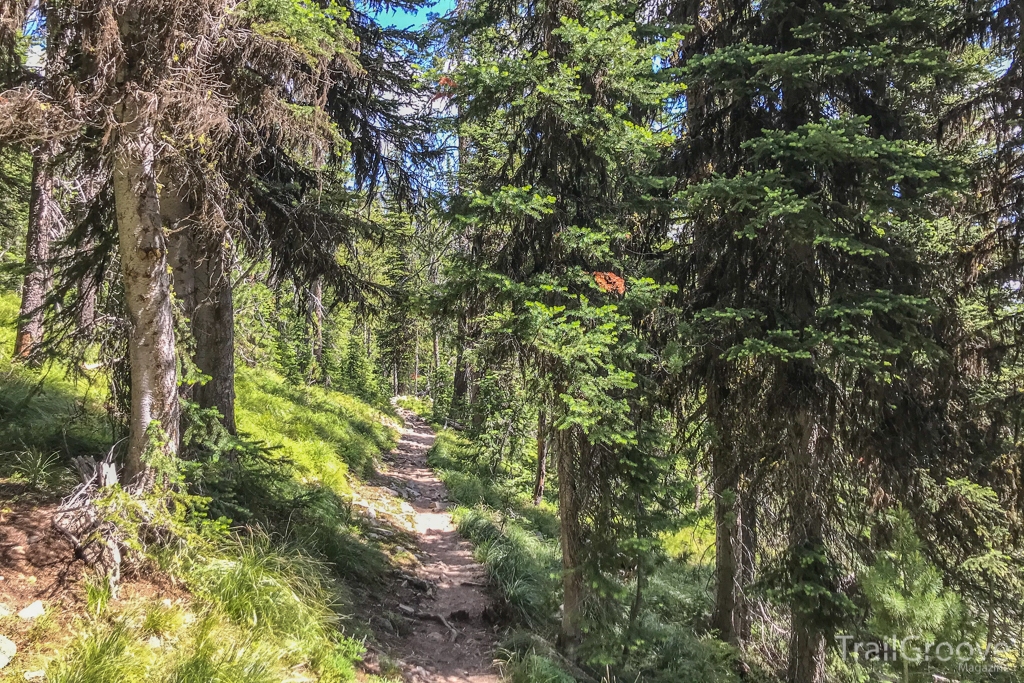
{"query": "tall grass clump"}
[(101, 653), (523, 567), (267, 587)]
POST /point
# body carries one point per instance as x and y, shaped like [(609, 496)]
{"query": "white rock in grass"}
[(7, 651), (35, 675), (33, 611), (5, 611)]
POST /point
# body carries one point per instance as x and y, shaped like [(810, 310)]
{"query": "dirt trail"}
[(460, 651)]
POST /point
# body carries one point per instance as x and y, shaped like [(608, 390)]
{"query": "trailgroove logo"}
[(966, 657)]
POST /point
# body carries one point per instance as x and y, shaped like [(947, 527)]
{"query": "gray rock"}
[(7, 651), (33, 611)]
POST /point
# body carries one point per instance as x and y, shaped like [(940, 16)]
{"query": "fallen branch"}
[(97, 542)]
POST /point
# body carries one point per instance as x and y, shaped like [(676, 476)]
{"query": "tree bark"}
[(42, 226), (88, 293), (202, 285), (748, 556), (569, 448), (725, 482), (213, 325), (147, 284), (807, 643), (416, 362), (316, 323), (542, 456), (460, 383)]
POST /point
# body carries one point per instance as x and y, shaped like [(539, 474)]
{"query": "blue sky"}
[(403, 19)]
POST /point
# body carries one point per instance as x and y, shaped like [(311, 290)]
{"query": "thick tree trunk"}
[(42, 226), (725, 482), (213, 325), (569, 447), (727, 565), (807, 643), (147, 285), (202, 286), (542, 456)]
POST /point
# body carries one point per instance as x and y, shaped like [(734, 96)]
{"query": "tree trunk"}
[(87, 188), (542, 456), (42, 226), (416, 363), (213, 325), (435, 372), (316, 323), (88, 293), (725, 482), (437, 350), (748, 566), (460, 383), (202, 286), (569, 447), (147, 285), (807, 643)]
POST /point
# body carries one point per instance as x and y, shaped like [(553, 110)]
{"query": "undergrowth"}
[(267, 596), (517, 542)]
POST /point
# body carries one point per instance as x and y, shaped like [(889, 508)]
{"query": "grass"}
[(46, 417), (324, 433), (421, 406), (523, 566), (267, 601), (518, 544)]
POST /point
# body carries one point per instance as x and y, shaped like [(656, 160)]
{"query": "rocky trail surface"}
[(444, 635)]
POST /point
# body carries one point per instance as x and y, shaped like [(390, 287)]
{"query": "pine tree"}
[(556, 102), (815, 184)]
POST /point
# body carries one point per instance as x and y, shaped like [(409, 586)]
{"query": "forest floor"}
[(448, 635)]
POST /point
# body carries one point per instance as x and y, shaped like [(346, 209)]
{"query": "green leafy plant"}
[(39, 469)]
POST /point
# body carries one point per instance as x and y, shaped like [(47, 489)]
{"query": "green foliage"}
[(318, 29), (325, 433), (49, 411), (906, 591), (15, 188), (100, 654), (421, 406), (266, 587), (531, 660), (523, 566), (40, 470)]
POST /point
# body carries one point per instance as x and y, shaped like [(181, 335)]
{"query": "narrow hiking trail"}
[(449, 639)]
